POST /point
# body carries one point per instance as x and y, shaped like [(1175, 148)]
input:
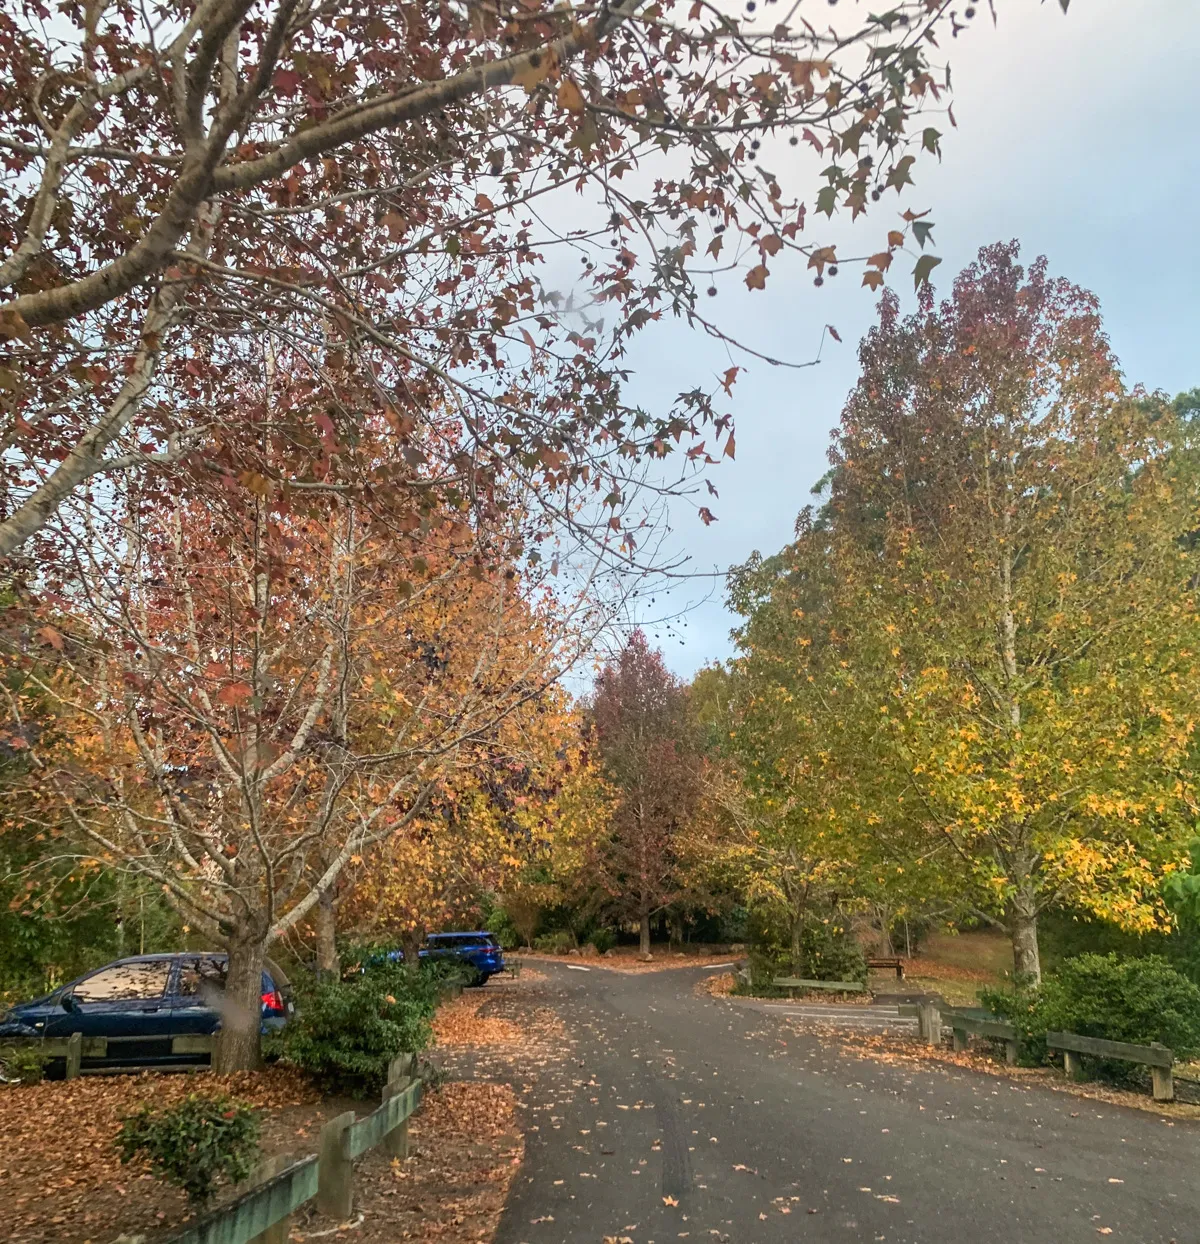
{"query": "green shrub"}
[(827, 950), (556, 943), (193, 1144), (345, 1032), (603, 940), (830, 953), (25, 1064), (1136, 1000), (500, 923)]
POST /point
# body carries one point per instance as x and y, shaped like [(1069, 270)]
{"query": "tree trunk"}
[(645, 934), (329, 963), (410, 944), (237, 1047), (797, 947), (1022, 924)]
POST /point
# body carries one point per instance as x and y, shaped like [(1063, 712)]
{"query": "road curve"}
[(673, 1115)]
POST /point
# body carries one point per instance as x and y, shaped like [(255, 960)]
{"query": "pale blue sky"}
[(1079, 136)]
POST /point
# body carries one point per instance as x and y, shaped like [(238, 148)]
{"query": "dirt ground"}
[(62, 1181)]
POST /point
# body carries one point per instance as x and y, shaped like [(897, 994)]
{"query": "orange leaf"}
[(234, 694), (570, 96), (756, 278)]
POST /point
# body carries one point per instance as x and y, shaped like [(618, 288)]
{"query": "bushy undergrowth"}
[(193, 1144), (345, 1032), (828, 952), (1120, 999)]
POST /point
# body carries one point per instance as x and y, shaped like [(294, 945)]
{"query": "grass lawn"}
[(956, 965)]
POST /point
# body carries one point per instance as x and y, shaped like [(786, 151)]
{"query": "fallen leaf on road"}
[(670, 1200)]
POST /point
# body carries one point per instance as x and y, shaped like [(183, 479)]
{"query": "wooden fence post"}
[(400, 1074), (1073, 1065), (929, 1023), (1010, 1053), (1163, 1078), (267, 1170), (74, 1054), (335, 1178), (959, 1039)]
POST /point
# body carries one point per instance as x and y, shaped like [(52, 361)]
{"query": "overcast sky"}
[(1079, 136)]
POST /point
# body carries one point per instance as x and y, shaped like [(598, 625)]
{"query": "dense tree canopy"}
[(989, 636), (384, 200)]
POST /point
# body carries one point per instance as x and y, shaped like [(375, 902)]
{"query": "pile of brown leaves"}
[(718, 985), (459, 1023), (61, 1176), (464, 1149)]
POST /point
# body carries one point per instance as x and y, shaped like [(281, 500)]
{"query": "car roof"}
[(462, 933), (168, 954)]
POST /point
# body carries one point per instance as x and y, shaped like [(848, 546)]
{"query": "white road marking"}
[(574, 967)]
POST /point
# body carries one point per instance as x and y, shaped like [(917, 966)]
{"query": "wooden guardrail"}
[(262, 1214), (75, 1048), (792, 983), (1157, 1057), (963, 1025)]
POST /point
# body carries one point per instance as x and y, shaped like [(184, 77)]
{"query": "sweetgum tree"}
[(365, 193)]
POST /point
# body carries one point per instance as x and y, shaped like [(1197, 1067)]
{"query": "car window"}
[(125, 982), (199, 976)]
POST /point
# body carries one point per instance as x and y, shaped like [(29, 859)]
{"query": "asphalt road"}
[(676, 1116)]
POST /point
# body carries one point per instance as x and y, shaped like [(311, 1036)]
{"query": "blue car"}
[(141, 1005), (479, 951)]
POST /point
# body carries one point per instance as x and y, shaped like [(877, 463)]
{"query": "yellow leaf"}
[(570, 96), (535, 70)]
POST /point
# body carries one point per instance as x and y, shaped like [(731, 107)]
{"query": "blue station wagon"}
[(141, 1005), (479, 951)]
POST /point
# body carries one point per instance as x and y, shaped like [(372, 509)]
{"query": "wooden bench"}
[(1155, 1056), (793, 983), (889, 962), (962, 1024)]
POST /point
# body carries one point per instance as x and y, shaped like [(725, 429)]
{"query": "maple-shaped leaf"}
[(570, 96), (235, 694), (924, 266), (756, 278), (48, 635), (535, 70)]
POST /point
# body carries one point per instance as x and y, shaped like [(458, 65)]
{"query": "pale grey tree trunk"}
[(237, 1047)]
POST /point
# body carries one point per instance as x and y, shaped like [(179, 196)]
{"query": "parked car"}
[(142, 1004), (480, 951)]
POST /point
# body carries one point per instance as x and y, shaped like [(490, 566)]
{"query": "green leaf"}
[(827, 200), (925, 265), (899, 176), (929, 140), (922, 231)]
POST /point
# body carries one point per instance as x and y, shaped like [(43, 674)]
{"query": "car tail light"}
[(273, 1001)]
